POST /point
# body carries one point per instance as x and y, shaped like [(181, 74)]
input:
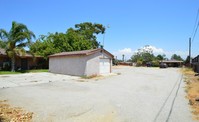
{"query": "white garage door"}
[(105, 66)]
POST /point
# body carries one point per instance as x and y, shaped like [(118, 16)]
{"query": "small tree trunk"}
[(13, 64)]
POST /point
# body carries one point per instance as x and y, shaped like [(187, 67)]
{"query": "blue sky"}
[(166, 25)]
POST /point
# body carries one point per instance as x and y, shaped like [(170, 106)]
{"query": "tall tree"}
[(44, 46), (16, 39), (161, 57), (60, 42), (176, 57), (143, 55), (89, 31), (187, 61), (78, 41), (82, 37)]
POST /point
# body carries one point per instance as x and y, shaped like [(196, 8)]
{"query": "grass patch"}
[(36, 70), (8, 72), (23, 71)]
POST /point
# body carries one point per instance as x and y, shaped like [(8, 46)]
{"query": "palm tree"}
[(16, 39)]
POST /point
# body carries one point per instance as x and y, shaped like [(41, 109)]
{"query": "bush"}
[(155, 63), (139, 63)]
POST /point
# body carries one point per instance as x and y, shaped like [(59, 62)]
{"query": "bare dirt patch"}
[(120, 66), (97, 77), (192, 89), (13, 114)]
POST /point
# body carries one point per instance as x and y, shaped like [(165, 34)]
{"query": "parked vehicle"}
[(149, 64), (163, 65)]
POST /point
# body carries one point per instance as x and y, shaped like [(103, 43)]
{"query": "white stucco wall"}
[(93, 65), (77, 65), (73, 65)]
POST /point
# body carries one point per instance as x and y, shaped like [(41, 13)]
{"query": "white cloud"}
[(168, 54), (128, 52), (156, 50)]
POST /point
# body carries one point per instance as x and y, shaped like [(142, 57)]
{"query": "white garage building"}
[(81, 63)]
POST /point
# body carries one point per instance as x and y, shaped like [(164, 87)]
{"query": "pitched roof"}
[(171, 61), (196, 59), (83, 52), (27, 54)]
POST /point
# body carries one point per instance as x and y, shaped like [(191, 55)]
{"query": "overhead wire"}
[(195, 27)]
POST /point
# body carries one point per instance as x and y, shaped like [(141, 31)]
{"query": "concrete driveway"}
[(136, 95)]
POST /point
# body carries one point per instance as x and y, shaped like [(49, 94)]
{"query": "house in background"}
[(81, 63), (195, 64), (24, 62), (172, 63)]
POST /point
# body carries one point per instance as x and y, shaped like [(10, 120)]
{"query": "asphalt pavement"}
[(133, 95)]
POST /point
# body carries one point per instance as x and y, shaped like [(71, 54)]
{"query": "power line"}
[(195, 32), (195, 27)]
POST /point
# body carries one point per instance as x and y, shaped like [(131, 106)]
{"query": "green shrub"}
[(139, 63), (155, 63)]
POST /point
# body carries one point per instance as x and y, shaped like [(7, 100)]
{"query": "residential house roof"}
[(171, 61), (83, 52), (196, 59), (26, 55)]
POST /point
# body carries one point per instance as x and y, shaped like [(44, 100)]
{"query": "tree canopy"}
[(82, 37), (89, 31), (161, 57), (15, 40), (176, 57), (143, 55), (2, 44)]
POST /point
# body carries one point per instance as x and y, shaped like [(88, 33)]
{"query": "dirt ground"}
[(192, 89), (13, 114)]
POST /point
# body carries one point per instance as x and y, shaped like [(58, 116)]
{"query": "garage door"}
[(105, 66)]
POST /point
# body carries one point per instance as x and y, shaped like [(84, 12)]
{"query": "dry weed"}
[(13, 114)]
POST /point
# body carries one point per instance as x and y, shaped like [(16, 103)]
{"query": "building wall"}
[(196, 68), (18, 63), (4, 59), (73, 65), (77, 65), (1, 63), (92, 65), (195, 64), (37, 63), (33, 63)]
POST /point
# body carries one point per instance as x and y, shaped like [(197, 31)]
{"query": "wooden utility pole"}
[(190, 51)]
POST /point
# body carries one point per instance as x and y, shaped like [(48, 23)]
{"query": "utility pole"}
[(190, 51), (123, 57), (104, 35)]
